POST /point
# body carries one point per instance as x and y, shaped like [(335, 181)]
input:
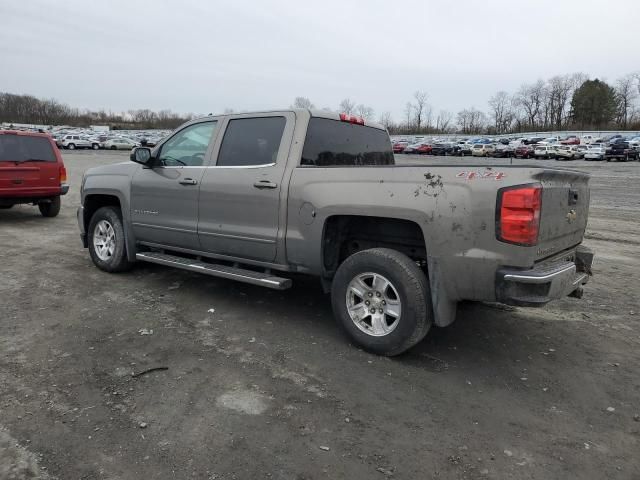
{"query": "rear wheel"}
[(71, 146), (95, 146), (382, 300), (113, 147), (50, 209), (107, 242)]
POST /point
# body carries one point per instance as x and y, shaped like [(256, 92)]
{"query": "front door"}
[(240, 196), (164, 196)]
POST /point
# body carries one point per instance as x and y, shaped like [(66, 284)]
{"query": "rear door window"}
[(251, 142), (335, 143), (20, 148)]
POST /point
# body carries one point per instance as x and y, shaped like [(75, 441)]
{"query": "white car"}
[(483, 149), (544, 151), (119, 144), (587, 139), (567, 152), (78, 141), (595, 152)]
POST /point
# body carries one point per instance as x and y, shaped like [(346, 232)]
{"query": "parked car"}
[(31, 171), (119, 144), (567, 152), (524, 151), (588, 139), (466, 148), (442, 149), (621, 151), (504, 151), (73, 141), (570, 140), (544, 151), (391, 276), (534, 140), (399, 147), (595, 152), (421, 148), (483, 150)]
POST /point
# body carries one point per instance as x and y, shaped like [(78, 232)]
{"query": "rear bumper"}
[(538, 286)]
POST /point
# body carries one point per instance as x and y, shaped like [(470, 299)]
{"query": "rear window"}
[(20, 148), (335, 143)]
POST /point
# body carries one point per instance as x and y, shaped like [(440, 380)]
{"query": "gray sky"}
[(197, 56)]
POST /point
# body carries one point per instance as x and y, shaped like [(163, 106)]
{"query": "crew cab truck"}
[(31, 171), (621, 151), (255, 197)]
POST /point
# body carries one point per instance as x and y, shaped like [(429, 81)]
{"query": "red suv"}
[(31, 171)]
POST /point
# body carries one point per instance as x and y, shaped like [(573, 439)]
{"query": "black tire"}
[(71, 146), (50, 209), (412, 286), (118, 262), (95, 146)]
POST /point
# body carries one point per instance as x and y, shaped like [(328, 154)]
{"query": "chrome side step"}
[(215, 270)]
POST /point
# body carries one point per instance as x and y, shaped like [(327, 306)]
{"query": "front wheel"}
[(382, 300), (107, 242), (95, 146), (71, 146), (50, 209)]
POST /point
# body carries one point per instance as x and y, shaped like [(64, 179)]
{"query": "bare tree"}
[(365, 112), (408, 110), (530, 98), (302, 102), (386, 120), (443, 121), (500, 104), (347, 106), (625, 95), (419, 107)]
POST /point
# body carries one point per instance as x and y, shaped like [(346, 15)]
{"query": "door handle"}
[(265, 184), (188, 181)]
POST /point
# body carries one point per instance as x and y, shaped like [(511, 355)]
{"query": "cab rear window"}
[(21, 148), (335, 143)]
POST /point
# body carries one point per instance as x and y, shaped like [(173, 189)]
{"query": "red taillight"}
[(351, 119), (519, 215), (63, 174)]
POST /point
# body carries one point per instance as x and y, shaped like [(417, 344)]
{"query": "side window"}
[(188, 146), (251, 141)]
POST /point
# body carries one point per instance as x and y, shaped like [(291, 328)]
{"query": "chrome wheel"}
[(104, 240), (373, 304)]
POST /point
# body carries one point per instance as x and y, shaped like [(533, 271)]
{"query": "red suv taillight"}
[(518, 214), (63, 174)]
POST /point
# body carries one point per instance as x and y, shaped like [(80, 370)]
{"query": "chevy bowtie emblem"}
[(571, 216)]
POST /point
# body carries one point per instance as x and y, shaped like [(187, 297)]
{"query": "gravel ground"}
[(261, 384)]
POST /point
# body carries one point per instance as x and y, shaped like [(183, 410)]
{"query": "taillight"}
[(518, 214), (351, 119), (63, 174)]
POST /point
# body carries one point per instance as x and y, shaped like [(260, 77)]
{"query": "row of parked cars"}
[(615, 147), (121, 140)]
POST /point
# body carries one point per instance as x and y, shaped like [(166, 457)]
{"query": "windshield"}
[(21, 148), (335, 143)]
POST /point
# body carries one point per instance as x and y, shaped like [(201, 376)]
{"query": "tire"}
[(71, 146), (113, 147), (112, 258), (5, 207), (95, 146), (50, 209), (408, 286)]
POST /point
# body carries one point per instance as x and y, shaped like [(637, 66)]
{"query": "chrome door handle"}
[(188, 181), (265, 184)]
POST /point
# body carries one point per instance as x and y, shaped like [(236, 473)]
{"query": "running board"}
[(215, 270)]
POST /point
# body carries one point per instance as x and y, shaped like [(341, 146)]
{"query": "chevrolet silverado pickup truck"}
[(257, 197)]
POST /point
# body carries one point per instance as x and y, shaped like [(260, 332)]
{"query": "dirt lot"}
[(261, 384)]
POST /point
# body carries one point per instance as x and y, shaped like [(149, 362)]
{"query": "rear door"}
[(241, 194), (28, 166), (164, 197)]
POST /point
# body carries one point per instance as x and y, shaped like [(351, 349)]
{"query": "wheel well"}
[(93, 202), (345, 235)]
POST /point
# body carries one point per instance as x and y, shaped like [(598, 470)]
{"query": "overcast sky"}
[(197, 56)]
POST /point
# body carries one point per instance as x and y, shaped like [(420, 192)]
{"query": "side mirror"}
[(140, 155)]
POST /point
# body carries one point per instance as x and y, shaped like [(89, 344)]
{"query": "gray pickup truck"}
[(256, 196)]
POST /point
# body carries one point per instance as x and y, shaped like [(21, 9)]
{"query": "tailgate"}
[(565, 209), (27, 178)]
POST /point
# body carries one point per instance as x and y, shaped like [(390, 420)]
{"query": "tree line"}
[(563, 102), (32, 110)]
